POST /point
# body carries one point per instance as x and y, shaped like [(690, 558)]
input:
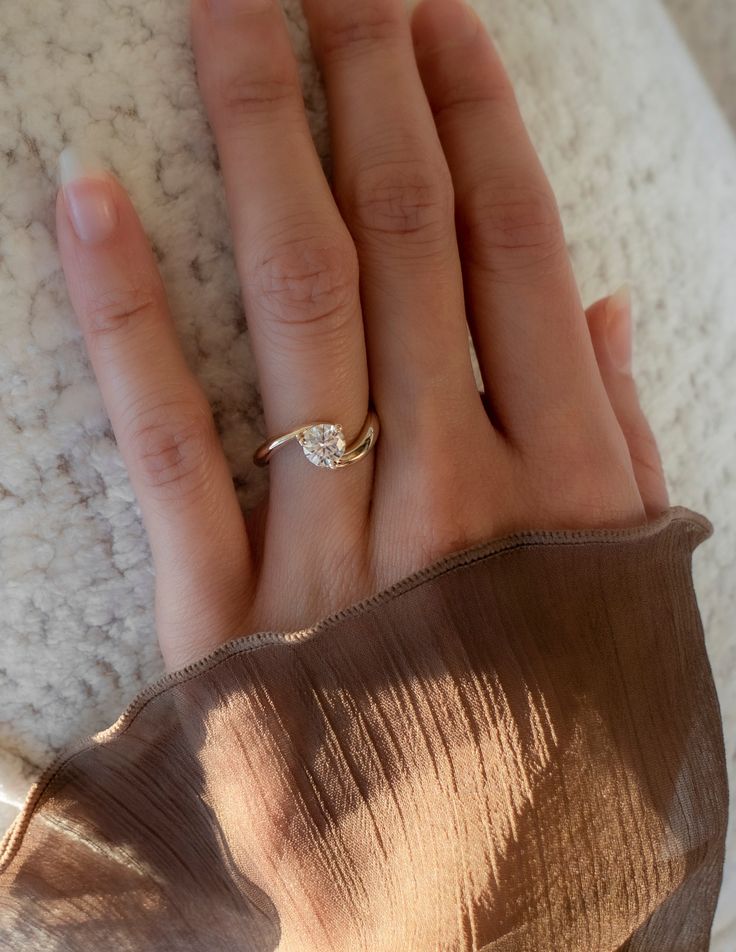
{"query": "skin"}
[(440, 216)]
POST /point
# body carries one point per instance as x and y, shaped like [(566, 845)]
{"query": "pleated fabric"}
[(517, 748)]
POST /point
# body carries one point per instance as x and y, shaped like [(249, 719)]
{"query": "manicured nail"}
[(619, 331), (88, 195)]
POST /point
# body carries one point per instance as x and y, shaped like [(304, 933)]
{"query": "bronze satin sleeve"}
[(517, 748)]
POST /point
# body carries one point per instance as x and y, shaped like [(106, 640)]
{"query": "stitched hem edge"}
[(700, 527)]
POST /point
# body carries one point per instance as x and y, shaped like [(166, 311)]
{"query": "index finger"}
[(160, 415)]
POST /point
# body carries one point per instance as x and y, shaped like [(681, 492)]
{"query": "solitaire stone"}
[(324, 445)]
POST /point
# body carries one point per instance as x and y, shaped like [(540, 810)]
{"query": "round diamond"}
[(324, 445)]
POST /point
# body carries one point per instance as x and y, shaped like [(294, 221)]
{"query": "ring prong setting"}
[(324, 444)]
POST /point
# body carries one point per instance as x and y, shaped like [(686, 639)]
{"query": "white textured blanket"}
[(644, 165)]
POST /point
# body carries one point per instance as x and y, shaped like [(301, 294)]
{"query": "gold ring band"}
[(324, 444)]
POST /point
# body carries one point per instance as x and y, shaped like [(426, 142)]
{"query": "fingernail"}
[(88, 195), (619, 331)]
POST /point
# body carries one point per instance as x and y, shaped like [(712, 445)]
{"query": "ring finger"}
[(296, 259)]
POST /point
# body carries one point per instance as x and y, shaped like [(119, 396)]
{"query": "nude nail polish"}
[(88, 195), (619, 330)]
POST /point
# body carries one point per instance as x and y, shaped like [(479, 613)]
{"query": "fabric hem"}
[(702, 527)]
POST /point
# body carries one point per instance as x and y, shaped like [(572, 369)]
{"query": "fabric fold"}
[(516, 748)]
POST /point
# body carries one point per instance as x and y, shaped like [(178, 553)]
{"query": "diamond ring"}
[(324, 444)]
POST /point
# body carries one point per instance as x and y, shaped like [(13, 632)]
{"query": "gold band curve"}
[(324, 444)]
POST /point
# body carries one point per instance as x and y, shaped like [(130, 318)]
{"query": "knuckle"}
[(243, 95), (308, 282), (461, 99), (443, 525), (576, 465), (514, 229), (403, 199), (172, 443), (585, 469), (354, 27), (117, 310)]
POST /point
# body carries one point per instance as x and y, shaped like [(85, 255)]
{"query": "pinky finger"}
[(610, 325)]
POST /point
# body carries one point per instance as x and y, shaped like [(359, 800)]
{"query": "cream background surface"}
[(630, 109)]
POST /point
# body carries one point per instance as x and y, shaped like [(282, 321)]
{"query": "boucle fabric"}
[(709, 27), (644, 165)]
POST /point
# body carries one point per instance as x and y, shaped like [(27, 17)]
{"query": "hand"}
[(441, 217)]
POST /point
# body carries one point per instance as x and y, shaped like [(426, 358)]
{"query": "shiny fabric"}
[(517, 748)]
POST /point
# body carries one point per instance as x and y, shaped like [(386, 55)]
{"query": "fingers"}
[(395, 193), (610, 326), (297, 262), (161, 418), (524, 307)]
